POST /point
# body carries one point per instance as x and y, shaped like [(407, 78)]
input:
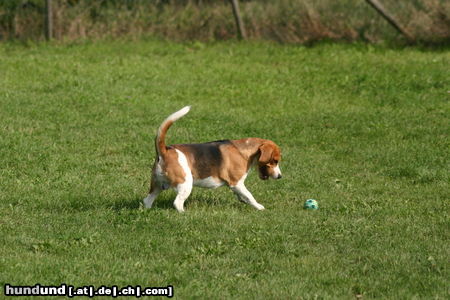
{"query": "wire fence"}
[(296, 21)]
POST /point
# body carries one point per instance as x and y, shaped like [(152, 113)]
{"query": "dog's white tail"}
[(160, 142)]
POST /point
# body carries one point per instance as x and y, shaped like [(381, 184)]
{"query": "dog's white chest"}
[(208, 182)]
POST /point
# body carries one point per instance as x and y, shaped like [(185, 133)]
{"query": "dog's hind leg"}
[(183, 192), (153, 193)]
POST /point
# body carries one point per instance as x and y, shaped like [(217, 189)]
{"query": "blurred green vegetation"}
[(287, 21)]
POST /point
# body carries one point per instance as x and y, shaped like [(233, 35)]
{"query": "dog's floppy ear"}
[(266, 153)]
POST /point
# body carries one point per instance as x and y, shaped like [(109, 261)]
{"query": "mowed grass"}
[(364, 130)]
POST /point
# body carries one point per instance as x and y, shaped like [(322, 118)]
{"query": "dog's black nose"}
[(279, 176)]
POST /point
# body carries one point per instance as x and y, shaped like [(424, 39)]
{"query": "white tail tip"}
[(176, 115)]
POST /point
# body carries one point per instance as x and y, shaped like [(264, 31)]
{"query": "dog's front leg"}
[(244, 195)]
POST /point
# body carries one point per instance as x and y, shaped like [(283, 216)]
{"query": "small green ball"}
[(311, 204)]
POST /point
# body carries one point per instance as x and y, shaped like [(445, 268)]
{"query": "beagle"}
[(210, 165)]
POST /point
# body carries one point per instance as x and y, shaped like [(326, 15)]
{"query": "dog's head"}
[(269, 159)]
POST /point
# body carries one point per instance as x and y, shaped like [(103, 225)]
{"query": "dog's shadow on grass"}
[(136, 203), (166, 202)]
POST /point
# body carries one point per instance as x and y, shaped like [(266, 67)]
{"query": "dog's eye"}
[(275, 161)]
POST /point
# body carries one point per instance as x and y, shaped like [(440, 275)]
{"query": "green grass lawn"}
[(364, 130)]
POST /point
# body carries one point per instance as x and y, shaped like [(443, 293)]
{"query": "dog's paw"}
[(147, 202), (259, 206)]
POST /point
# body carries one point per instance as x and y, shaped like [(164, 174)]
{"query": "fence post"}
[(391, 20), (48, 20), (238, 19)]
